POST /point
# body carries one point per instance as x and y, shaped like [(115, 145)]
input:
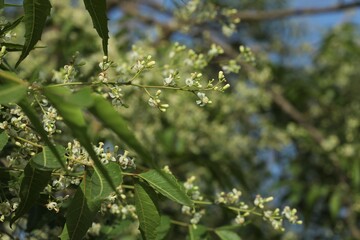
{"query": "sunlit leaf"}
[(97, 10), (33, 182), (106, 113), (227, 235), (3, 140), (93, 190), (146, 209), (167, 185), (46, 160), (36, 12)]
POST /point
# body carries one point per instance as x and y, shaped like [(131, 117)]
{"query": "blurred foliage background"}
[(286, 129)]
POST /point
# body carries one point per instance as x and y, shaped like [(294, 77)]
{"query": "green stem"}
[(29, 142)]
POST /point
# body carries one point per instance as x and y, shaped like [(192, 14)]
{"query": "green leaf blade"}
[(87, 201), (46, 160), (33, 182), (36, 12), (227, 235), (4, 138), (167, 185), (12, 93), (97, 10), (147, 211)]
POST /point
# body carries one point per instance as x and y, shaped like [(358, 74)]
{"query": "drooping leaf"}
[(36, 12), (106, 113), (167, 185), (33, 182), (227, 235), (164, 227), (147, 211), (10, 26), (46, 160), (3, 140), (97, 10), (74, 119), (197, 233), (11, 93), (87, 201), (38, 126)]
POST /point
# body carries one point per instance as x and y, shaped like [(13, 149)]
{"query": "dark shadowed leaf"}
[(36, 12), (106, 113), (97, 10), (93, 190), (34, 181), (167, 185), (46, 160), (147, 211)]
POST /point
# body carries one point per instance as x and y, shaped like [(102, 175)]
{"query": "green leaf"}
[(167, 185), (3, 140), (36, 12), (81, 98), (106, 113), (197, 233), (2, 4), (46, 160), (33, 182), (13, 47), (164, 227), (97, 10), (227, 235), (11, 93), (147, 211), (10, 26), (38, 126), (9, 77), (74, 119), (335, 202), (93, 190)]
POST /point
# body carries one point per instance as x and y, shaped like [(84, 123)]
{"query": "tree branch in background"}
[(279, 14)]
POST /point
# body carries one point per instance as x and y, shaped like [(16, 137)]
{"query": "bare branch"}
[(279, 14)]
